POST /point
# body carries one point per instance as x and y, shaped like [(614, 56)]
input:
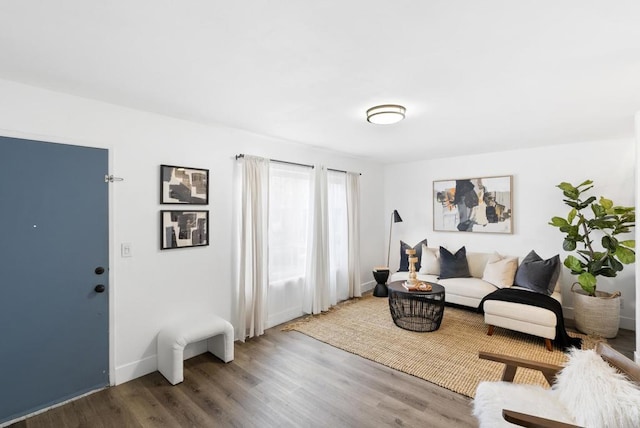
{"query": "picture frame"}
[(184, 185), (477, 205), (183, 229)]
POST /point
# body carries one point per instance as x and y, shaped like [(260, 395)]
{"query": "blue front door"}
[(54, 274)]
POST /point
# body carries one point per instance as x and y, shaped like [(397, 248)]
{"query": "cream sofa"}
[(470, 292)]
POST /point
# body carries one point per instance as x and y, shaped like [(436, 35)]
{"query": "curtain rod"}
[(241, 155)]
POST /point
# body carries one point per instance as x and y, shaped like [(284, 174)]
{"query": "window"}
[(288, 219), (289, 200)]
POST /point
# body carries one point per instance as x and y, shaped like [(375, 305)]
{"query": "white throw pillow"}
[(596, 394), (430, 263), (500, 271)]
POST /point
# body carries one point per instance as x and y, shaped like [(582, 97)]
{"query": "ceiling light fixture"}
[(385, 114)]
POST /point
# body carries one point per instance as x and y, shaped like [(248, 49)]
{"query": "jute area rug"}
[(447, 357)]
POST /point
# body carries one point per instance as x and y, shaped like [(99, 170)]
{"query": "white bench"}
[(172, 340)]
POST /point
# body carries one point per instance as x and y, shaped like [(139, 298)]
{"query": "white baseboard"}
[(367, 286), (147, 365), (135, 369)]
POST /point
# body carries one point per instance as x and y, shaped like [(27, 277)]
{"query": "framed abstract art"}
[(482, 205), (182, 229), (182, 185)]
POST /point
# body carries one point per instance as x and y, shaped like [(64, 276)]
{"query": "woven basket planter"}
[(599, 315)]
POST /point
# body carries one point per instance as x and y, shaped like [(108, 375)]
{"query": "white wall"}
[(153, 287), (611, 164)]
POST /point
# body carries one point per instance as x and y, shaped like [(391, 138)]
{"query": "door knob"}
[(99, 288), (99, 270)]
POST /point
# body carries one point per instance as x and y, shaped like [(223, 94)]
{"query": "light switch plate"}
[(125, 249)]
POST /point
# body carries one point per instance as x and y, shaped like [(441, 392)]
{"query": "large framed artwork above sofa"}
[(481, 204)]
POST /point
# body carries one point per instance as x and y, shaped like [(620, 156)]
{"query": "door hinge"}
[(111, 179)]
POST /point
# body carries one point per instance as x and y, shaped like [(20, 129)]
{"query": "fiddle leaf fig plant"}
[(589, 222)]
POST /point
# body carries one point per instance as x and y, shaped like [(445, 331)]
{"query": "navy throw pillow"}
[(454, 265), (404, 258), (537, 274)]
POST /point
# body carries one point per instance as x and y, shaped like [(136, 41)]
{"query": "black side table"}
[(416, 310), (381, 277)]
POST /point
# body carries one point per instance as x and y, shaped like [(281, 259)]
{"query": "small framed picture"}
[(183, 185), (183, 229)]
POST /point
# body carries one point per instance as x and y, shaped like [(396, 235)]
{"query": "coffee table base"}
[(416, 311)]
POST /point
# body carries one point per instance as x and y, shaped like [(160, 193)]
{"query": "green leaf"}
[(574, 264), (631, 243), (569, 245), (569, 191), (558, 222), (598, 264), (625, 255), (608, 272), (572, 215), (566, 187), (586, 203), (585, 183), (598, 210), (587, 282), (615, 264), (609, 243), (607, 204)]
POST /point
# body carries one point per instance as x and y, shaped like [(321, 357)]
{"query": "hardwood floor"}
[(282, 379)]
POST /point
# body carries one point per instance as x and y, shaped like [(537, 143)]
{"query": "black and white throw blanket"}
[(562, 340)]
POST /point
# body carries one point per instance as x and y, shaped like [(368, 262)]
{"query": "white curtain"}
[(288, 224), (353, 221), (338, 237), (317, 289), (254, 257)]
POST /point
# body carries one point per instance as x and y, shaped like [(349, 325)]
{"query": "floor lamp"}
[(381, 275), (395, 218)]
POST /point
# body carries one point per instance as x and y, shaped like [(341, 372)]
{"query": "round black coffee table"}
[(416, 310)]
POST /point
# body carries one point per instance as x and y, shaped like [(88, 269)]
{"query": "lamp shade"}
[(385, 114), (396, 217)]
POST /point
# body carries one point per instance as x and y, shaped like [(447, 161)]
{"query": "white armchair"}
[(598, 388)]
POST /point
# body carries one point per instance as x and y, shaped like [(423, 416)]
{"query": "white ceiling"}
[(475, 76)]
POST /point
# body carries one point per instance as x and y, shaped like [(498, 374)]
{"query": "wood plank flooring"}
[(282, 379)]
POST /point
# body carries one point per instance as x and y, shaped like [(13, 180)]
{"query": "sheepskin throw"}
[(588, 392), (597, 395)]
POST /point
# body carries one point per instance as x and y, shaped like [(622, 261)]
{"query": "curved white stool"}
[(173, 339)]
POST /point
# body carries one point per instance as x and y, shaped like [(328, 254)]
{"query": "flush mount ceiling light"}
[(385, 114)]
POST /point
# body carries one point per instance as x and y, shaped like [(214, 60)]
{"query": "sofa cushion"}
[(500, 270), (537, 274), (477, 262), (404, 258), (520, 312), (430, 263), (469, 287), (454, 265)]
